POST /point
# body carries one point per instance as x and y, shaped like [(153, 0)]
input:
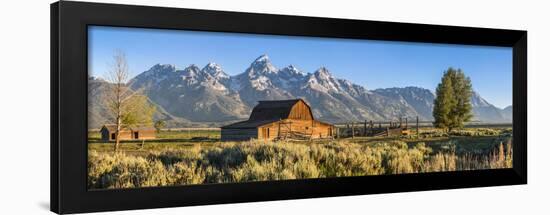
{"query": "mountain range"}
[(208, 96)]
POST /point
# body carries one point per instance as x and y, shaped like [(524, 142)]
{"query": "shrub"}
[(186, 173), (121, 171), (261, 161)]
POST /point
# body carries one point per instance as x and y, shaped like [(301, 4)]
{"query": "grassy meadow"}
[(198, 157)]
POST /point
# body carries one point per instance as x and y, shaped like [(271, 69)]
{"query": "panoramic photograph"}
[(175, 107)]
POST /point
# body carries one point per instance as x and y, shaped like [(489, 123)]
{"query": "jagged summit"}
[(323, 72), (212, 65), (291, 69), (262, 65), (160, 68), (215, 70), (190, 70), (156, 74), (262, 58), (192, 67), (163, 66), (209, 94)]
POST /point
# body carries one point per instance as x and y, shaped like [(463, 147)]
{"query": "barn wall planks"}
[(300, 110), (287, 128)]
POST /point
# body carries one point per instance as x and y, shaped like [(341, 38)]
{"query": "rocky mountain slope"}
[(209, 95)]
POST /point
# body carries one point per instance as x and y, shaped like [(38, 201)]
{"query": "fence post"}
[(352, 130), (279, 130), (417, 133), (347, 130), (365, 128), (371, 127)]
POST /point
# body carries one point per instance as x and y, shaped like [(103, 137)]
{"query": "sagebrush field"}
[(198, 157)]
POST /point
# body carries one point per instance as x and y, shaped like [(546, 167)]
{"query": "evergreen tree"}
[(462, 88), (444, 102), (452, 105)]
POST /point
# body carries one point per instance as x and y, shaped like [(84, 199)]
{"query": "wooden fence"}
[(373, 129)]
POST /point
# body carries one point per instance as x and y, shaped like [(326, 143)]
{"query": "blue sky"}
[(372, 64)]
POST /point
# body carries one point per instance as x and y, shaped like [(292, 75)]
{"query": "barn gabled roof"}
[(112, 128), (266, 112), (273, 109)]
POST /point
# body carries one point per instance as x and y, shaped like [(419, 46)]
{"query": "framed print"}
[(162, 107)]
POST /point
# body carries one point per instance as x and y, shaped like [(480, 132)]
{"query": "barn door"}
[(265, 133)]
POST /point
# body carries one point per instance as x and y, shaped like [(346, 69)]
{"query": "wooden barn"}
[(138, 132), (278, 119)]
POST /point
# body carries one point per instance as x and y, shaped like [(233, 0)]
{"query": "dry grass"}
[(261, 161)]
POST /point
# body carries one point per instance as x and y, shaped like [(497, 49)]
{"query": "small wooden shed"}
[(278, 119), (138, 132)]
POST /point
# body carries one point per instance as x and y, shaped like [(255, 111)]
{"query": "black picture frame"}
[(69, 21)]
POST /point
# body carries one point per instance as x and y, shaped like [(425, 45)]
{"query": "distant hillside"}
[(507, 113), (486, 112), (98, 114), (419, 98)]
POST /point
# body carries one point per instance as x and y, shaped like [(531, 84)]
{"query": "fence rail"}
[(398, 127)]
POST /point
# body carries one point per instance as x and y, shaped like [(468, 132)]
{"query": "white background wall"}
[(24, 90)]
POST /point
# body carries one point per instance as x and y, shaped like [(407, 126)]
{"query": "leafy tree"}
[(452, 105), (159, 125), (127, 107), (138, 111)]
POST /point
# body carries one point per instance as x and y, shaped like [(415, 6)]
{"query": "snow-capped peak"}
[(156, 74), (159, 70), (292, 70), (262, 58), (262, 64), (213, 65), (159, 66), (215, 70), (191, 71), (322, 80), (323, 73), (192, 76), (192, 67)]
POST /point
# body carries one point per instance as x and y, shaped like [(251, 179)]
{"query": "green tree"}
[(138, 111), (452, 105), (127, 107), (159, 125)]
